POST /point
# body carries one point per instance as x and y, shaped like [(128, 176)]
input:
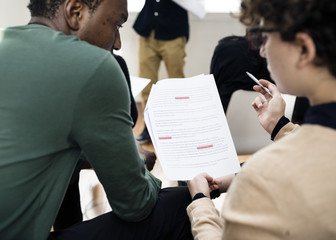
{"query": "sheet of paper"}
[(193, 6), (189, 130), (138, 84)]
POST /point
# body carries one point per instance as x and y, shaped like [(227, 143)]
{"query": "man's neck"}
[(54, 24)]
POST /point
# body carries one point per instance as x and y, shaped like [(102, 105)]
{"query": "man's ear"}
[(73, 13), (307, 49)]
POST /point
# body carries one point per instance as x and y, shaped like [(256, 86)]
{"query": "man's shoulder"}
[(48, 40), (50, 51), (74, 46), (81, 53)]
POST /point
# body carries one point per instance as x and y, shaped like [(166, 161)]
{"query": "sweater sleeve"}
[(285, 130), (102, 127), (205, 219)]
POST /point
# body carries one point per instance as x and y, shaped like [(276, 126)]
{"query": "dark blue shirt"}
[(323, 114), (165, 17)]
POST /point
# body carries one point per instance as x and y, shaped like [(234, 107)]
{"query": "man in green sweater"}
[(60, 96)]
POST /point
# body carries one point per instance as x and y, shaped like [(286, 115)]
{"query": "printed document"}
[(193, 6), (188, 128)]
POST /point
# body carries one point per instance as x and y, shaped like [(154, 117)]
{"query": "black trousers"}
[(168, 220)]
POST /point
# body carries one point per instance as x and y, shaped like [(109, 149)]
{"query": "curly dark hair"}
[(314, 17), (49, 8)]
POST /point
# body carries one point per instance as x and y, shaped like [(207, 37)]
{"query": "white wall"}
[(204, 33), (13, 12), (209, 5)]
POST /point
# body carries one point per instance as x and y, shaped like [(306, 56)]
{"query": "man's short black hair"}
[(49, 8)]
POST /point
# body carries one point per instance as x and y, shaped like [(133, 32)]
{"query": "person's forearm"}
[(106, 137)]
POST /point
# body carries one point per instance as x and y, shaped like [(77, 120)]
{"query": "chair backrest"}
[(247, 133)]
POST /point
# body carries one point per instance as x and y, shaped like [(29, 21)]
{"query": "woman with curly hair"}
[(286, 190)]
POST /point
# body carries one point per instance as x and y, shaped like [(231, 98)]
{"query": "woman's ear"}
[(307, 49), (73, 13)]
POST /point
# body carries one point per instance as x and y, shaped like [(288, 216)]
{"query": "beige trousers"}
[(152, 51)]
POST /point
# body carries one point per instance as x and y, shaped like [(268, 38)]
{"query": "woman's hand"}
[(203, 183), (225, 182), (270, 109)]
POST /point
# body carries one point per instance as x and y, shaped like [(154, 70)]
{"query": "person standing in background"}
[(163, 27)]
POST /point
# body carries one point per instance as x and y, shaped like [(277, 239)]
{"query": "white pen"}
[(257, 82)]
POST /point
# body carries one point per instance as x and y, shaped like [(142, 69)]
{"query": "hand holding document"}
[(193, 6), (188, 128)]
